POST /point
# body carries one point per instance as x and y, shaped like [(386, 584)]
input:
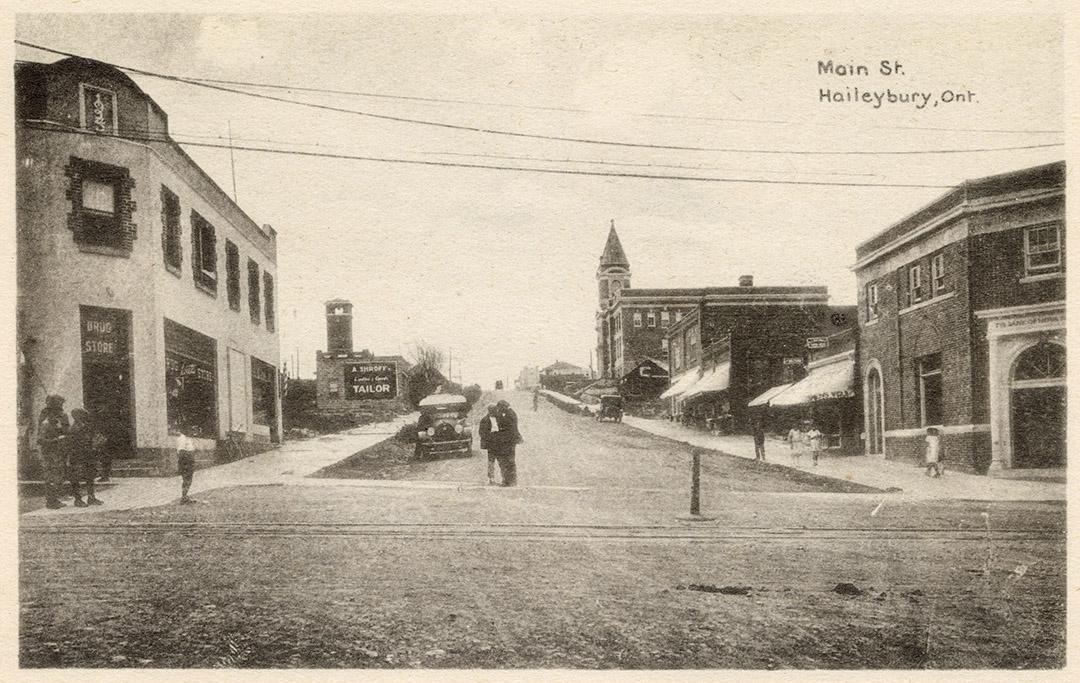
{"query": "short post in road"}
[(695, 489)]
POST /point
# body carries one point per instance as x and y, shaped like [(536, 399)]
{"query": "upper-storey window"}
[(872, 307), (637, 318), (268, 300), (97, 109), (915, 292), (101, 205), (1042, 250), (203, 252), (232, 274), (651, 317), (254, 304), (170, 229), (665, 318), (937, 274)]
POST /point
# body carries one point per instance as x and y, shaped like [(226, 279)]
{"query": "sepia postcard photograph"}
[(650, 340)]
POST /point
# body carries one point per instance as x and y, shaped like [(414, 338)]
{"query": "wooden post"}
[(695, 484)]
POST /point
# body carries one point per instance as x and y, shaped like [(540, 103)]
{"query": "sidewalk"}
[(862, 469), (285, 465)]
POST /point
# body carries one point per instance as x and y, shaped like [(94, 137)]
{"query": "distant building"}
[(528, 379), (357, 382), (145, 294), (646, 381), (962, 325), (562, 376)]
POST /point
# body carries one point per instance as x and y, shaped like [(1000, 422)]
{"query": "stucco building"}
[(145, 294), (962, 325)]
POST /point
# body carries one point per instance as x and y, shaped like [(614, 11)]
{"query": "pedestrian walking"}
[(53, 426), (759, 440), (185, 461), (536, 399), (82, 445), (504, 441), (934, 458), (795, 443), (815, 439), (489, 423)]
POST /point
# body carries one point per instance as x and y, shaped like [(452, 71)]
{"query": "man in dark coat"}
[(53, 426), (504, 442), (486, 423), (83, 442)]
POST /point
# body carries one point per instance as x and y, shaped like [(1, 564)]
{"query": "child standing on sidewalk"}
[(933, 453), (795, 443), (814, 438), (185, 461)]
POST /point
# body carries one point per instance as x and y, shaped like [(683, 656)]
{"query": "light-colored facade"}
[(145, 293)]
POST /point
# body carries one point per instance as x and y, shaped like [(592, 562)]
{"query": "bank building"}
[(962, 325), (145, 294)]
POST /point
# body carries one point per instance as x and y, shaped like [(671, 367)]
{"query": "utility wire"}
[(180, 137), (443, 100), (535, 136), (448, 164)]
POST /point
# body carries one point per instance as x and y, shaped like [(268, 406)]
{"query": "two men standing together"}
[(499, 436)]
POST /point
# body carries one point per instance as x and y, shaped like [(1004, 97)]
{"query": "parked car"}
[(442, 429), (611, 408)]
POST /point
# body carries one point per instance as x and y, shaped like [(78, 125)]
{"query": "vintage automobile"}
[(611, 408), (442, 430)]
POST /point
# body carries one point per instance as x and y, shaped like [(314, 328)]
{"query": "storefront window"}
[(190, 379)]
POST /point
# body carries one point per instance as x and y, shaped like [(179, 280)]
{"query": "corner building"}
[(145, 294), (962, 325)]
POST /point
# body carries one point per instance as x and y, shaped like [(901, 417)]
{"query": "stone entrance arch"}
[(1037, 412)]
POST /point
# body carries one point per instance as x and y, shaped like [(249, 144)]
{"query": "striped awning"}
[(716, 379), (681, 384), (768, 394), (830, 379)]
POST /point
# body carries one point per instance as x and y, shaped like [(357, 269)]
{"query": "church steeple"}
[(614, 271), (613, 252)]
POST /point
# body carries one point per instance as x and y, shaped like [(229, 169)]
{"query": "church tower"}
[(612, 276), (614, 271)]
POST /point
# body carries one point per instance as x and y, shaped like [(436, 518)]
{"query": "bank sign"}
[(370, 380)]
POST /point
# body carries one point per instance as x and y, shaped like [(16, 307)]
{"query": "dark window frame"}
[(232, 274), (254, 294), (931, 394), (203, 244), (96, 231), (269, 300), (172, 249)]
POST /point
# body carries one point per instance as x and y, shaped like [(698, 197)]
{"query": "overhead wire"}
[(448, 164), (180, 137), (538, 136)]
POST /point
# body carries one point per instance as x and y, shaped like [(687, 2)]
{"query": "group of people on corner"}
[(499, 436), (71, 450)]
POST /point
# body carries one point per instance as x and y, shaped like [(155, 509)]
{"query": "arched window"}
[(1043, 361)]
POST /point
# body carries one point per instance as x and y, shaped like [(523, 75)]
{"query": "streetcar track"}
[(551, 532)]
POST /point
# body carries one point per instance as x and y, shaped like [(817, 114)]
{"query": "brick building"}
[(740, 341), (962, 325), (357, 383), (145, 294), (631, 323)]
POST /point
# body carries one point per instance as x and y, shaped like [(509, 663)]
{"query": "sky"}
[(499, 266)]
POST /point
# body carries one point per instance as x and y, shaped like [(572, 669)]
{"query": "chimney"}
[(746, 280), (338, 326)]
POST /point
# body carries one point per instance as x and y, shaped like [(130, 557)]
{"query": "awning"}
[(768, 394), (832, 379), (681, 384), (716, 379)]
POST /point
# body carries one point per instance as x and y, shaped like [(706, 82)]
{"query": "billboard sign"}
[(372, 380)]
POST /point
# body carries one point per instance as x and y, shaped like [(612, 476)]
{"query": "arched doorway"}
[(1038, 413), (875, 413)]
